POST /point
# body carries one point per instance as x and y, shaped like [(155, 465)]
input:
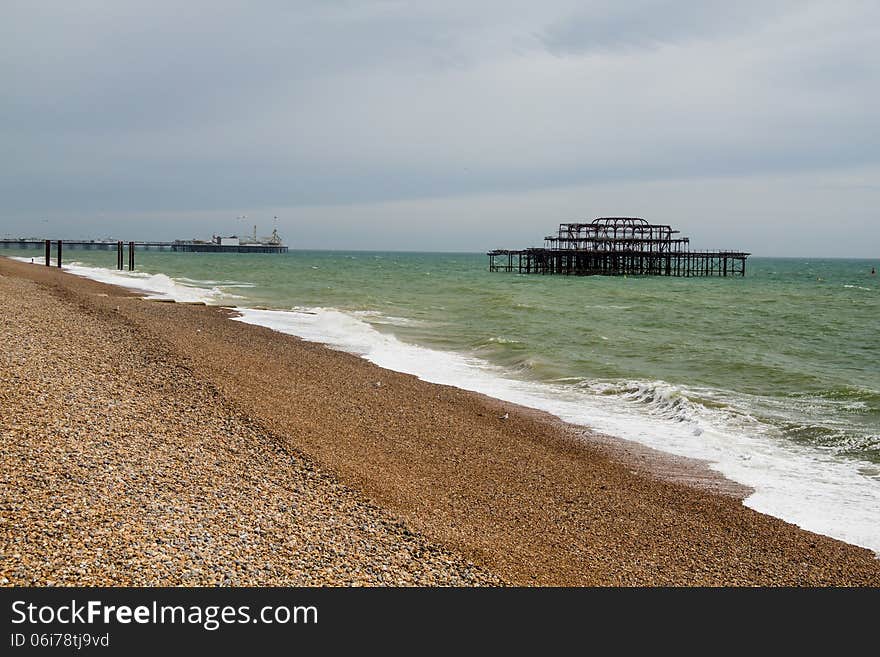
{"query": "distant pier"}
[(618, 246), (181, 246)]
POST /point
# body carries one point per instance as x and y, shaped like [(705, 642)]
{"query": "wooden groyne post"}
[(47, 247)]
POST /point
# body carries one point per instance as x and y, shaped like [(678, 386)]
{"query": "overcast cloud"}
[(449, 125)]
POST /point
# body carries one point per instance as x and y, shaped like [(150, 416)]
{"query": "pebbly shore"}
[(120, 467), (161, 443)]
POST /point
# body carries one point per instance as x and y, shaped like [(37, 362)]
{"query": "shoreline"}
[(530, 499), (676, 417), (648, 461)]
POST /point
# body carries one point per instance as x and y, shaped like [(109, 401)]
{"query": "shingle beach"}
[(148, 443)]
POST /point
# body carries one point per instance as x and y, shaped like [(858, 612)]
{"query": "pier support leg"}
[(48, 253), (119, 255), (131, 256), (59, 254)]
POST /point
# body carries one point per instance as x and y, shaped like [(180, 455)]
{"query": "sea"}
[(773, 379)]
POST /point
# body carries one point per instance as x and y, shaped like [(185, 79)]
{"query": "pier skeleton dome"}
[(619, 222)]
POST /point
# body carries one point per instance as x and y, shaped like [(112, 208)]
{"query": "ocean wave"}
[(377, 317), (156, 286), (501, 340), (842, 394), (659, 397), (208, 283)]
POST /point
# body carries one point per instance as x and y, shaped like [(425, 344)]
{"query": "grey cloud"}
[(649, 24)]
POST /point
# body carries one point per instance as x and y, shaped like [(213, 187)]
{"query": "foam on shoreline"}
[(154, 286)]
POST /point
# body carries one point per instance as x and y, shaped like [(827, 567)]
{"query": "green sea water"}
[(784, 364)]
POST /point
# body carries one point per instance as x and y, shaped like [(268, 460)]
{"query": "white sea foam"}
[(375, 317), (156, 286), (816, 491)]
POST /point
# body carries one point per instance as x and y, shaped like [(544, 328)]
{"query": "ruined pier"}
[(618, 246)]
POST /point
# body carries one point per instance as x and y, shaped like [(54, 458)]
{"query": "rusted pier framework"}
[(616, 246)]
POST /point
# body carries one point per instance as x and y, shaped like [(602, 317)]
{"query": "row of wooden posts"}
[(119, 258)]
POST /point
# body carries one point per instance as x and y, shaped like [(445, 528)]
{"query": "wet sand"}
[(215, 424)]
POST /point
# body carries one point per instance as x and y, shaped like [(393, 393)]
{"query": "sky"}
[(448, 125)]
